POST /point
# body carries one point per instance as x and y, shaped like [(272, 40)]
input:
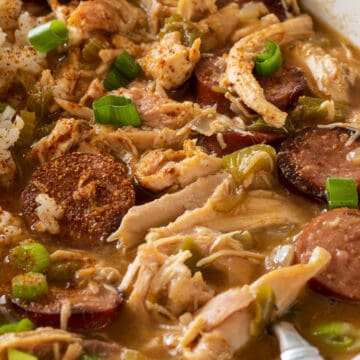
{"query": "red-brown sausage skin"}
[(235, 141), (281, 89), (307, 159), (337, 231), (94, 192), (89, 311)]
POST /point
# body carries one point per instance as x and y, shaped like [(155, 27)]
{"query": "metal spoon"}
[(292, 345)]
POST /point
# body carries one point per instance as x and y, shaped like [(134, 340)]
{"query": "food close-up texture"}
[(179, 180)]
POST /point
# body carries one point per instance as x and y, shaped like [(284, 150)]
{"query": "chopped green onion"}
[(49, 36), (264, 304), (251, 159), (30, 257), (269, 62), (116, 110), (64, 271), (13, 354), (123, 70), (127, 65), (45, 130), (339, 335), (27, 134), (341, 192), (29, 286), (22, 325), (114, 80)]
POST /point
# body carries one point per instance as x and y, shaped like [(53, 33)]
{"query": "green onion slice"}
[(127, 65), (268, 62), (116, 110), (123, 70), (91, 49), (22, 325), (64, 271), (341, 192), (30, 257), (114, 80), (49, 36), (337, 334), (14, 354), (29, 286)]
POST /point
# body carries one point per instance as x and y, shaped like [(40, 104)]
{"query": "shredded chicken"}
[(248, 213), (112, 16), (196, 9), (327, 75), (164, 277), (131, 232), (65, 136), (10, 227), (221, 333), (239, 72), (161, 169), (169, 61)]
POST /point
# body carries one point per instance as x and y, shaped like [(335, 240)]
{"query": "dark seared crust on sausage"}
[(337, 231), (89, 310), (207, 75), (284, 87), (94, 191), (307, 159), (236, 141)]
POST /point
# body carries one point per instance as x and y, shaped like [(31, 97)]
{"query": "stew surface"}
[(176, 178)]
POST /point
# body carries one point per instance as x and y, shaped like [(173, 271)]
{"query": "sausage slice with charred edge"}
[(281, 89), (337, 231), (94, 192), (88, 310), (307, 159)]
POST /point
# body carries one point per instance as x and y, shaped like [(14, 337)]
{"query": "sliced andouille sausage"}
[(337, 231), (225, 143), (93, 191), (307, 159), (89, 310), (281, 89), (284, 87), (207, 76)]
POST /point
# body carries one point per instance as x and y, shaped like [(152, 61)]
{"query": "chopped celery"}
[(14, 354), (246, 239), (39, 101), (189, 244), (311, 111), (45, 130), (63, 271), (261, 126), (263, 306), (249, 160), (27, 135), (189, 31)]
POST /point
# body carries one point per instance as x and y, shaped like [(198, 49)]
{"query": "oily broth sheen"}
[(310, 309)]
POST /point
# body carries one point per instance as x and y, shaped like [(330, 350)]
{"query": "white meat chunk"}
[(239, 75), (66, 135), (246, 213), (195, 9), (10, 128), (169, 61), (164, 281), (156, 110), (112, 16), (228, 329), (158, 170), (327, 75), (139, 219)]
